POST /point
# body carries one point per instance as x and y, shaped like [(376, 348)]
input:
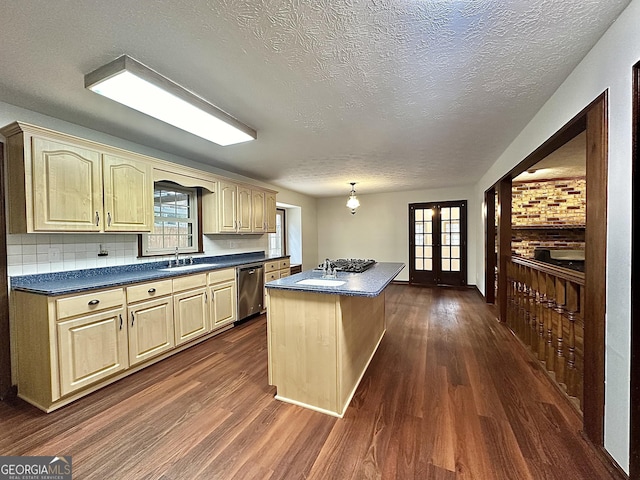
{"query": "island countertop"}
[(369, 283)]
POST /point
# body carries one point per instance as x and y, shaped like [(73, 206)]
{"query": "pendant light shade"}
[(353, 201)]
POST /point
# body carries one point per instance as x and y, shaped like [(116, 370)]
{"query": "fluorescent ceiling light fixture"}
[(135, 85)]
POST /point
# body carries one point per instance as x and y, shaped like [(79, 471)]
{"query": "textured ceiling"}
[(391, 94), (568, 161)]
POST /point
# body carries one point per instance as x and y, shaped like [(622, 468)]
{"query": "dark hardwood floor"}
[(450, 394)]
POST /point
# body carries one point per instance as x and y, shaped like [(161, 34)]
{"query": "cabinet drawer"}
[(90, 302), (148, 291), (284, 264), (271, 266), (284, 273), (271, 276), (222, 275), (189, 281)]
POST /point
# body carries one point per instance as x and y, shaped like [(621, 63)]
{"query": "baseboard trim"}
[(605, 457)]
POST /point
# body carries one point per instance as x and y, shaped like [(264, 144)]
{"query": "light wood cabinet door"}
[(223, 304), (259, 221), (91, 348), (270, 211), (190, 314), (128, 195), (227, 207), (67, 187), (150, 329), (244, 209)]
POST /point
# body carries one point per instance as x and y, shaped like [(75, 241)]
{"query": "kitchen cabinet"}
[(270, 211), (222, 297), (245, 216), (128, 188), (190, 311), (59, 183), (68, 346), (92, 338), (259, 224), (227, 211), (238, 208), (274, 269), (150, 318)]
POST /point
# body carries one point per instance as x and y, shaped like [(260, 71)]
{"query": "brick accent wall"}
[(549, 213)]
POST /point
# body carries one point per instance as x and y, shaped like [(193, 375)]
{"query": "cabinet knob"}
[(93, 302), (152, 290)]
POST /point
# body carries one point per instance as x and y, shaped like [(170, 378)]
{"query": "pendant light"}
[(353, 201)]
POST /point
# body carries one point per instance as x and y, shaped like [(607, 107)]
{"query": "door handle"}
[(133, 319), (97, 219), (120, 321), (108, 219)]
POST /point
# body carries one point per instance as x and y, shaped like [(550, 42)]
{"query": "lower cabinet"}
[(68, 346), (91, 348), (190, 312), (273, 270), (150, 329), (222, 294)]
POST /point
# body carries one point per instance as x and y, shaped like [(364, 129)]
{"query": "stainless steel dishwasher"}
[(250, 281)]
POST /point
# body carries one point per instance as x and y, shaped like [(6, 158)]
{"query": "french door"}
[(438, 243)]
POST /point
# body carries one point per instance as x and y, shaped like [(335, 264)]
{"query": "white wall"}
[(380, 227), (43, 253), (608, 66)]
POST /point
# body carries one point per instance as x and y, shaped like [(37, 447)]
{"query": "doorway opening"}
[(592, 302)]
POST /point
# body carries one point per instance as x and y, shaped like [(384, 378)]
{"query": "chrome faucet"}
[(328, 271), (177, 258)]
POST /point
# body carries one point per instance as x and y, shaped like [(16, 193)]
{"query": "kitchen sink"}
[(321, 282), (186, 268)]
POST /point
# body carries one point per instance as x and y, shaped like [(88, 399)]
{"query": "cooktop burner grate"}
[(352, 265)]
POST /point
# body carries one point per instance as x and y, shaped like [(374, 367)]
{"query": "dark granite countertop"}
[(369, 283), (74, 281)]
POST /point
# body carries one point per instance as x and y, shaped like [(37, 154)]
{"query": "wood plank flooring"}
[(450, 394)]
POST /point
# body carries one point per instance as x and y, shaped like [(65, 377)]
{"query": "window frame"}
[(283, 231), (195, 218)]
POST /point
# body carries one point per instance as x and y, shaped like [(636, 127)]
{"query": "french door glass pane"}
[(455, 265), (419, 264), (446, 265)]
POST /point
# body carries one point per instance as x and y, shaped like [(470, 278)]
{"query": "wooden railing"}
[(544, 309)]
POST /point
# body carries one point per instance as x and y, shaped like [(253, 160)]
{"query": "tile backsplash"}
[(44, 253)]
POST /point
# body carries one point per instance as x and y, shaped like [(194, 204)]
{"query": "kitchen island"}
[(323, 333)]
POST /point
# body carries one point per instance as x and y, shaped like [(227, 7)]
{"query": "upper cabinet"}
[(58, 183), (61, 183), (238, 208), (128, 186), (270, 211), (259, 224)]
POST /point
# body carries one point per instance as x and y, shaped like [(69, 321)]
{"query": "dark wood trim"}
[(5, 349), (490, 259), (634, 442), (560, 272), (504, 243), (595, 270), (570, 130)]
